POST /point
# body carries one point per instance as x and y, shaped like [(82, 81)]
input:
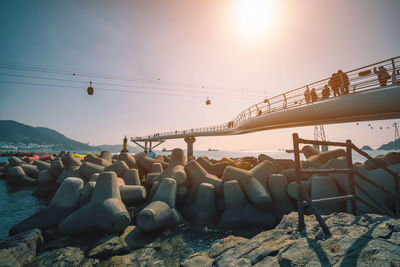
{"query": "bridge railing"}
[(360, 79)]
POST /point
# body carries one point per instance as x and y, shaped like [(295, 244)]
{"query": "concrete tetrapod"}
[(30, 170), (253, 183), (17, 177), (131, 177), (65, 201), (106, 155), (119, 167), (96, 160), (216, 169), (204, 211), (176, 169), (238, 212), (132, 194), (87, 169), (160, 213), (198, 175), (14, 161), (128, 159), (282, 203), (105, 211), (56, 167), (69, 161), (324, 187), (147, 163)]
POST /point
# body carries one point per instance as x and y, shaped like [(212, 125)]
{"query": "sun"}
[(256, 18)]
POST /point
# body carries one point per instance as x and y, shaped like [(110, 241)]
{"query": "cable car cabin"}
[(90, 89), (208, 101)]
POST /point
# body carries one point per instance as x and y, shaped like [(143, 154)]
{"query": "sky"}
[(191, 50)]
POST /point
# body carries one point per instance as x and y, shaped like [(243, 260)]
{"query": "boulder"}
[(119, 167), (105, 211), (111, 247), (17, 177), (176, 169), (68, 256), (87, 169), (65, 201), (21, 249), (216, 169)]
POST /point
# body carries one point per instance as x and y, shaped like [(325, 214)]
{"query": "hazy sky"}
[(197, 43)]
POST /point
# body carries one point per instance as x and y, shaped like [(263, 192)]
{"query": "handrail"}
[(295, 98)]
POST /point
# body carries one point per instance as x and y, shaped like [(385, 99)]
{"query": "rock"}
[(255, 188), (30, 170), (309, 151), (65, 201), (356, 241), (282, 203), (131, 177), (112, 247), (96, 160), (87, 169), (21, 249), (105, 211), (392, 158), (176, 169), (198, 259), (69, 161), (118, 167), (68, 256), (198, 175), (216, 169), (17, 177), (56, 167), (128, 159), (14, 161)]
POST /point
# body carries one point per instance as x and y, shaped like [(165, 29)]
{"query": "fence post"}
[(300, 198), (349, 156), (397, 192), (394, 78)]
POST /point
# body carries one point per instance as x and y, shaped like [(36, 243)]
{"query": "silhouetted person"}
[(334, 84), (383, 75), (344, 82), (326, 92), (314, 96), (307, 95)]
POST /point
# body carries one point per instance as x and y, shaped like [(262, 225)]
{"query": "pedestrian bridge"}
[(368, 99)]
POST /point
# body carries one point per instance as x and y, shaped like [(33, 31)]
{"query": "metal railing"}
[(304, 199), (360, 79)]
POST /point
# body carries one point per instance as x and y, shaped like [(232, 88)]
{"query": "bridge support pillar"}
[(190, 140)]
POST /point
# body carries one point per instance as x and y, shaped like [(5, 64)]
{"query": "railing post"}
[(394, 78), (349, 156), (300, 208), (397, 192)]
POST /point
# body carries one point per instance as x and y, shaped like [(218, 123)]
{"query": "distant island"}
[(394, 145), (18, 136)]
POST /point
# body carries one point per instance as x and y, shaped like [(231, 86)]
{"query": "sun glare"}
[(256, 18)]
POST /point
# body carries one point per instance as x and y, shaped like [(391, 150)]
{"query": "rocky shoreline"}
[(112, 210)]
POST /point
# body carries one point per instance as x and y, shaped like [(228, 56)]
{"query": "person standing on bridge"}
[(344, 82), (326, 92), (314, 96), (383, 75), (334, 84), (307, 95)]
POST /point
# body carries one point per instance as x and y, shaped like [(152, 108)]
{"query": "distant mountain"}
[(394, 145), (366, 148), (23, 136)]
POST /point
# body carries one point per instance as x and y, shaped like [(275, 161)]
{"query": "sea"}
[(18, 204)]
